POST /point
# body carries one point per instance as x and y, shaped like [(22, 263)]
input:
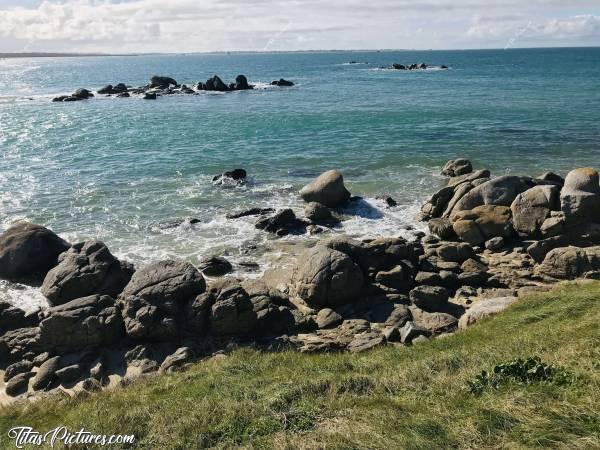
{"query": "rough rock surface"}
[(532, 207), (484, 309), (580, 196), (328, 189), (327, 278), (29, 250), (456, 167), (154, 300), (85, 269), (500, 191), (570, 262)]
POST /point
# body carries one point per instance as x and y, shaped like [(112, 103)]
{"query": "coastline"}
[(332, 293)]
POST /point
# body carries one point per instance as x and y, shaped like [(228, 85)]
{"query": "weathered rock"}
[(282, 83), (215, 266), (328, 189), (438, 203), (15, 344), (458, 252), (318, 213), (410, 331), (399, 315), (182, 356), (215, 84), (12, 318), (429, 298), (570, 262), (69, 374), (250, 212), (81, 324), (442, 228), (241, 83), (538, 250), (46, 374), (500, 191), (553, 226), (456, 167), (580, 196), (532, 207), (17, 368), (281, 223), (483, 223), (29, 251), (153, 302), (18, 384), (470, 178), (366, 341), (161, 82), (87, 268), (495, 244), (428, 279), (150, 96), (327, 278), (328, 318), (232, 312), (484, 309), (82, 94), (434, 322), (236, 175), (398, 277)]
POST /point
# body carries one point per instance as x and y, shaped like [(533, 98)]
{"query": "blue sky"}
[(203, 25)]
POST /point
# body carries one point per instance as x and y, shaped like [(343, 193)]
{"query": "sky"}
[(182, 26)]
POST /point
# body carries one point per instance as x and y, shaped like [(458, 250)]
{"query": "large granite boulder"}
[(532, 207), (241, 83), (456, 167), (327, 278), (580, 196), (231, 312), (87, 268), (154, 301), (429, 298), (500, 191), (81, 324), (328, 189), (29, 251), (570, 262), (483, 223)]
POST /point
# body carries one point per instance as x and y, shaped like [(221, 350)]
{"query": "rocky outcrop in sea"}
[(491, 241)]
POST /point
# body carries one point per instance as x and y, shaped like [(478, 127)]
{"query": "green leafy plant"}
[(521, 371)]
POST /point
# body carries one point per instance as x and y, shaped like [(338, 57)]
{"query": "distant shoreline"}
[(54, 55)]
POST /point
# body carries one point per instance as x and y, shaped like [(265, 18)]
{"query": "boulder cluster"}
[(164, 85), (492, 240), (419, 66)]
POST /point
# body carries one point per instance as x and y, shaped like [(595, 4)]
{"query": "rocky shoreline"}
[(491, 240), (163, 85)]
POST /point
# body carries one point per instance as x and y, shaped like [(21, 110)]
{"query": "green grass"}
[(413, 398)]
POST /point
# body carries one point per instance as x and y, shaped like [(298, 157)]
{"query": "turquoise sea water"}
[(114, 169)]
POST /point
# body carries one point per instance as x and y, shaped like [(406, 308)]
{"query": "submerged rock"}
[(238, 175), (163, 82), (282, 83)]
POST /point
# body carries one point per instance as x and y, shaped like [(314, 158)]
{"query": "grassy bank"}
[(389, 398)]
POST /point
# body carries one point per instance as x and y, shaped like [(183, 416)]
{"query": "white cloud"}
[(202, 25)]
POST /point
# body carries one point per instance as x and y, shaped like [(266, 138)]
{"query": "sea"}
[(132, 172)]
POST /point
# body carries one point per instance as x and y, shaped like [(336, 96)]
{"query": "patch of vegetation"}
[(523, 371), (392, 397)]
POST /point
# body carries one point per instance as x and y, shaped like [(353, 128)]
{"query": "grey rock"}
[(484, 309), (154, 301), (456, 167), (318, 213), (495, 244), (538, 250), (182, 356), (366, 341), (531, 208), (442, 228), (18, 384), (455, 252), (327, 278), (328, 189), (69, 374), (429, 298), (86, 269), (158, 81), (328, 318), (411, 331), (81, 324), (570, 262), (46, 374), (580, 196), (29, 250), (17, 368), (500, 191), (215, 266), (428, 279)]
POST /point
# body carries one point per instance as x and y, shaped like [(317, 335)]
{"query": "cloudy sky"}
[(120, 26)]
